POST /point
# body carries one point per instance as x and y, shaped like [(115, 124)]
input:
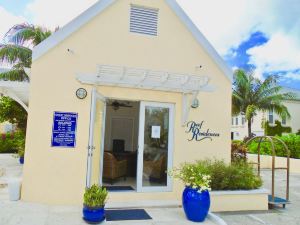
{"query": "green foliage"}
[(235, 176), (12, 143), (278, 129), (192, 175), (95, 196), (298, 132), (291, 140), (238, 151), (251, 95), (13, 112), (16, 51)]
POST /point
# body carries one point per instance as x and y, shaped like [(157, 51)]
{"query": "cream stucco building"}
[(141, 65), (239, 128)]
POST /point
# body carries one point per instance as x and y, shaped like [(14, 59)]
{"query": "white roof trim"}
[(70, 28), (145, 79), (100, 6)]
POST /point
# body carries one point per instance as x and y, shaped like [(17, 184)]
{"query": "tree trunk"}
[(249, 128)]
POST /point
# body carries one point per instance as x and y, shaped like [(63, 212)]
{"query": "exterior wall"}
[(57, 175), (222, 201), (266, 162)]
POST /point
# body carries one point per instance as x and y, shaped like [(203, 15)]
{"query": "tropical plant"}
[(13, 112), (192, 176), (16, 50), (250, 95), (238, 175), (95, 196)]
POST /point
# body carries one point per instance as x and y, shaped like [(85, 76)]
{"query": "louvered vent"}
[(143, 20)]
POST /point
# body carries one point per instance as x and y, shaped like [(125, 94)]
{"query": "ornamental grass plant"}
[(95, 196)]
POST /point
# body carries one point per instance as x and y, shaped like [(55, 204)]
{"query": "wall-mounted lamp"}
[(195, 103)]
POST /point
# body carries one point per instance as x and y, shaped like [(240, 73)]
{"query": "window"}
[(232, 121), (236, 121), (283, 121), (243, 120), (271, 117), (143, 20)]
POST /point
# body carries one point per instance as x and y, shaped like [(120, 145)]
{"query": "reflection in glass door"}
[(155, 146)]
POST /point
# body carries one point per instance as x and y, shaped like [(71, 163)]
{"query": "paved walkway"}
[(22, 213), (278, 216)]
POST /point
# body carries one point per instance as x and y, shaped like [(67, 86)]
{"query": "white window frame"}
[(139, 180)]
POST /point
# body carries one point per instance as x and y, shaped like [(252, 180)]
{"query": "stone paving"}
[(277, 216), (21, 213)]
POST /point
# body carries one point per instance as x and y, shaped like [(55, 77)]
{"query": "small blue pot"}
[(21, 160), (93, 214), (196, 205)]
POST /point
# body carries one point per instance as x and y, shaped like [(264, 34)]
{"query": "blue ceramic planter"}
[(21, 160), (196, 205), (93, 215)]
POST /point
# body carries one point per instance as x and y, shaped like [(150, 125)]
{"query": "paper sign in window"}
[(155, 132)]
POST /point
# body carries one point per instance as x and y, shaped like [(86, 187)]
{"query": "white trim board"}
[(100, 6)]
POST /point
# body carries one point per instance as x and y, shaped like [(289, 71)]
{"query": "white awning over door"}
[(145, 79)]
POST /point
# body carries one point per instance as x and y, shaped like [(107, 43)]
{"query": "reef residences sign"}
[(198, 132)]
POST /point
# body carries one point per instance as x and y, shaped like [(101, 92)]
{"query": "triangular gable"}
[(100, 6)]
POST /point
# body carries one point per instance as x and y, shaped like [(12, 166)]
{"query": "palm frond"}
[(14, 75), (13, 54)]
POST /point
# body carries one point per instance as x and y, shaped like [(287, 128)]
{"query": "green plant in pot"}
[(195, 197), (94, 200)]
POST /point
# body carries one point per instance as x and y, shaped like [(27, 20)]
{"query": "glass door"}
[(155, 152), (96, 139)]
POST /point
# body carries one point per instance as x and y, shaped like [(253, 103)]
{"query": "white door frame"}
[(95, 96), (139, 179)]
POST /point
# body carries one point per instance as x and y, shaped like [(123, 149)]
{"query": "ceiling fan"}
[(116, 104)]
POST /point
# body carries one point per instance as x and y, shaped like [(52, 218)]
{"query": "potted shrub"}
[(195, 197), (93, 204), (21, 153)]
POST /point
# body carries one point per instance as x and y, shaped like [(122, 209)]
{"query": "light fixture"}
[(195, 103), (81, 93)]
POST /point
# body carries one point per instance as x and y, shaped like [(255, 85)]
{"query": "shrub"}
[(235, 176), (192, 175), (238, 151), (278, 129), (95, 196), (12, 142), (291, 140)]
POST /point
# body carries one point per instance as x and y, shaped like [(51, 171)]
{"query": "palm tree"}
[(251, 95), (16, 51)]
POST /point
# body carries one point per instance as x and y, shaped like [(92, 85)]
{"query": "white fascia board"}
[(200, 38), (70, 28)]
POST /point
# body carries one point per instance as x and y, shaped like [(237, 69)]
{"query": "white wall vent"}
[(143, 20)]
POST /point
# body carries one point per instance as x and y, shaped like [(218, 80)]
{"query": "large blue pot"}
[(21, 160), (196, 205), (93, 215)]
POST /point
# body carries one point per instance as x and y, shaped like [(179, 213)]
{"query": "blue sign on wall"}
[(64, 129)]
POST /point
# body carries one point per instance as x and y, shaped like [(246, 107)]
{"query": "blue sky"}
[(261, 35)]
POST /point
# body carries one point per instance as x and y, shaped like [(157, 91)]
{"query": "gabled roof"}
[(100, 6)]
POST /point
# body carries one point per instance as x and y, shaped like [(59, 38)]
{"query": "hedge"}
[(291, 140)]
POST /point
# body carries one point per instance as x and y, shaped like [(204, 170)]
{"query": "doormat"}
[(119, 188), (127, 214)]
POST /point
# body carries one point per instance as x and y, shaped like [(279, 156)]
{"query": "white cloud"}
[(228, 23), (293, 76), (7, 20), (280, 53), (54, 13)]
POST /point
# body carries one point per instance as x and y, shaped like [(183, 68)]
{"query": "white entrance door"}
[(155, 152), (96, 139)]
